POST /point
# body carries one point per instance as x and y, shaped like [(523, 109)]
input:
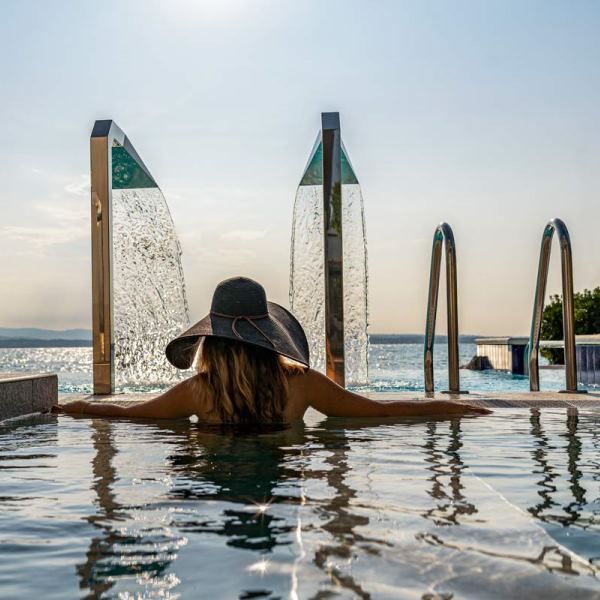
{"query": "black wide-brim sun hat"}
[(240, 311)]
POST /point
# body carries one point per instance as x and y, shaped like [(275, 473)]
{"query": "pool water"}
[(501, 506)]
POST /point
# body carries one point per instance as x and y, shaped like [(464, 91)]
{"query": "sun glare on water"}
[(259, 567)]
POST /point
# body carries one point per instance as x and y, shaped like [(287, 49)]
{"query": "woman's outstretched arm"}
[(329, 398), (176, 403)]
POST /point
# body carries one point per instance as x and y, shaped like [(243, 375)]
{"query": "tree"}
[(587, 320)]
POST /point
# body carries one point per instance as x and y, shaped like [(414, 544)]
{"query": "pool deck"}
[(493, 400)]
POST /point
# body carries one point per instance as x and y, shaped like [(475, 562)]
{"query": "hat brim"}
[(283, 334)]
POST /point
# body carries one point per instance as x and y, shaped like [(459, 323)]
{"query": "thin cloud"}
[(43, 237), (243, 235), (230, 257), (79, 187), (65, 213), (60, 223)]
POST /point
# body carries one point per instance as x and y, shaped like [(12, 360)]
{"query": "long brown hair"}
[(241, 383)]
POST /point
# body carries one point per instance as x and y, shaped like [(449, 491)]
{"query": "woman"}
[(252, 366)]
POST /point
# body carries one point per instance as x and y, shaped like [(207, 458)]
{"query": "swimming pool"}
[(490, 507)]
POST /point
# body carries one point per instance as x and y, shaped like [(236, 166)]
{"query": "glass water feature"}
[(307, 274), (148, 305)]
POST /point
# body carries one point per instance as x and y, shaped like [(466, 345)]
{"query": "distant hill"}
[(6, 342), (30, 337), (33, 333), (415, 338)]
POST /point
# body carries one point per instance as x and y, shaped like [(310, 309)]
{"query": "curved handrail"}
[(443, 235), (566, 261)]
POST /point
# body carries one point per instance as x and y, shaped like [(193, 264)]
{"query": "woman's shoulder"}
[(193, 383), (296, 397), (200, 395), (298, 375), (306, 375), (306, 381)]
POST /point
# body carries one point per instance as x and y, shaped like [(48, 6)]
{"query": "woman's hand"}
[(76, 407), (448, 407)]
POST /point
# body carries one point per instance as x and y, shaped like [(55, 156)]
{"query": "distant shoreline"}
[(33, 343), (414, 338), (375, 338)]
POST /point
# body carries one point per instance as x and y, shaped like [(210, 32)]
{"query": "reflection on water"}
[(241, 469), (446, 468), (338, 519), (121, 547), (447, 488), (93, 577), (359, 509), (575, 502)]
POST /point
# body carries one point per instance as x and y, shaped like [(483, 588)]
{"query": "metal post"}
[(443, 235), (101, 176), (566, 260), (333, 246)]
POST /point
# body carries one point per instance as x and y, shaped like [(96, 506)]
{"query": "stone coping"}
[(17, 376), (591, 400), (510, 399), (27, 393)]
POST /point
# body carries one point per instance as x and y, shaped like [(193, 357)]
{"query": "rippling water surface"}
[(490, 507)]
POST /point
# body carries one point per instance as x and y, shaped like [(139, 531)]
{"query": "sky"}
[(482, 114)]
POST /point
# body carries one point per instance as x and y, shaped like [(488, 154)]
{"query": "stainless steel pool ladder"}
[(566, 261), (443, 235)]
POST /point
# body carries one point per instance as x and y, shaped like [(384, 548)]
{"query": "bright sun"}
[(204, 10)]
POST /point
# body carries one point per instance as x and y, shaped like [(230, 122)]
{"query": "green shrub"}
[(587, 321)]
